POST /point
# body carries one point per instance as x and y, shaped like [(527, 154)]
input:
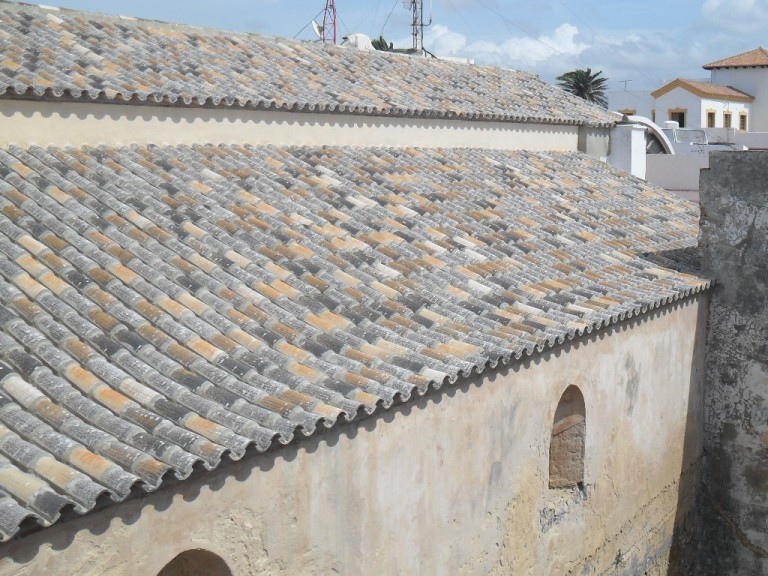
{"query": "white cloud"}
[(740, 16), (442, 41), (525, 53), (647, 57)]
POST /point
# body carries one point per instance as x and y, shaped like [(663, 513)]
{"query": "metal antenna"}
[(417, 8), (328, 30)]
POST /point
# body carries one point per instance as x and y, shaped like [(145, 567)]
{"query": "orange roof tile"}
[(705, 90), (754, 58)]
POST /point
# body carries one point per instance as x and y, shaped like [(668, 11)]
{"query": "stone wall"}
[(734, 242), (453, 483)]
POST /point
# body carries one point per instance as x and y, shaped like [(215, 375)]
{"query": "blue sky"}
[(648, 42)]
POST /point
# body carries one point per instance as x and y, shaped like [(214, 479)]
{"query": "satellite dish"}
[(318, 29)]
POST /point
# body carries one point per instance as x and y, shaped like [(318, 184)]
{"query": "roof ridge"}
[(121, 59), (217, 31), (722, 61), (14, 5)]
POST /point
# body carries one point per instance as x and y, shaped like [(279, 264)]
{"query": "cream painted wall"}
[(26, 123), (454, 483)]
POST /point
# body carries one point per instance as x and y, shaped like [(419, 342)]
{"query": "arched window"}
[(196, 563), (566, 448)]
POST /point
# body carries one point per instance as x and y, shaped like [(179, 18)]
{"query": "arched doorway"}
[(196, 563)]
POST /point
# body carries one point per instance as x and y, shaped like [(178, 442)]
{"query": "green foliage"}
[(585, 84), (381, 44)]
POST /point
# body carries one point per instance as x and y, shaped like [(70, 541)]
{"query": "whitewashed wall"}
[(639, 100), (753, 81), (697, 108)]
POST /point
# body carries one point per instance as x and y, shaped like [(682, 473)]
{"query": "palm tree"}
[(585, 84)]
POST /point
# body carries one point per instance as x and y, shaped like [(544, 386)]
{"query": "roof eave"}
[(209, 102)]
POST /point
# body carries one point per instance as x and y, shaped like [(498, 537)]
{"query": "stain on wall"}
[(454, 483)]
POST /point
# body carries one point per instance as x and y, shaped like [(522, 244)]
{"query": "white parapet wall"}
[(676, 171), (27, 123), (628, 149), (752, 140)]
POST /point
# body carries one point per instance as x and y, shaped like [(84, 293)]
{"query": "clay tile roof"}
[(57, 53), (754, 58), (705, 90), (167, 306)]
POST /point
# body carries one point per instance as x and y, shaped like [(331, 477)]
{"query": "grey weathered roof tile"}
[(136, 353), (148, 62)]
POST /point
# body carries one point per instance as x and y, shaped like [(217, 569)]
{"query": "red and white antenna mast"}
[(328, 31)]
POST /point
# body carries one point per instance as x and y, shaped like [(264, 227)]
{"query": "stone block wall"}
[(734, 243)]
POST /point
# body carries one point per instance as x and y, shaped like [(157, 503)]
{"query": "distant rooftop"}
[(756, 58), (705, 90), (57, 53)]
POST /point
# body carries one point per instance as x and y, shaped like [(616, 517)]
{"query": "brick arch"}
[(567, 444), (197, 562)]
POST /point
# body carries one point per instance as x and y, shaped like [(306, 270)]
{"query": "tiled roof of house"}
[(705, 90), (165, 306), (56, 53), (751, 59)]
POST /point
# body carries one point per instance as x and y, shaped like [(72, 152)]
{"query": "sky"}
[(646, 43)]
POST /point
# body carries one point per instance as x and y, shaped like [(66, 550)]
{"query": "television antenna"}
[(417, 9), (327, 30)]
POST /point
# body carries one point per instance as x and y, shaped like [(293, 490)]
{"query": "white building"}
[(736, 96), (695, 104), (631, 102), (747, 72)]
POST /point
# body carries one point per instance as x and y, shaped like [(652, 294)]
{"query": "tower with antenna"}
[(417, 9), (327, 31)]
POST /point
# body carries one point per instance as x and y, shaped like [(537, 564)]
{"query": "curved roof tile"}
[(751, 59), (53, 53), (167, 306)]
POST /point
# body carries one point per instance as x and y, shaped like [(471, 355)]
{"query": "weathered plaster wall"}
[(455, 483), (734, 241), (26, 123), (595, 142)]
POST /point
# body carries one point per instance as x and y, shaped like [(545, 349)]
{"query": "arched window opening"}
[(566, 448), (196, 563)]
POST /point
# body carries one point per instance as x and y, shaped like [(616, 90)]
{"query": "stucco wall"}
[(753, 81), (734, 241), (453, 483), (719, 107), (676, 171), (697, 108), (26, 123), (640, 101), (679, 99)]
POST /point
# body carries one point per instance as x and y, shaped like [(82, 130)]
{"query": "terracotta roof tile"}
[(705, 90), (753, 58)]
